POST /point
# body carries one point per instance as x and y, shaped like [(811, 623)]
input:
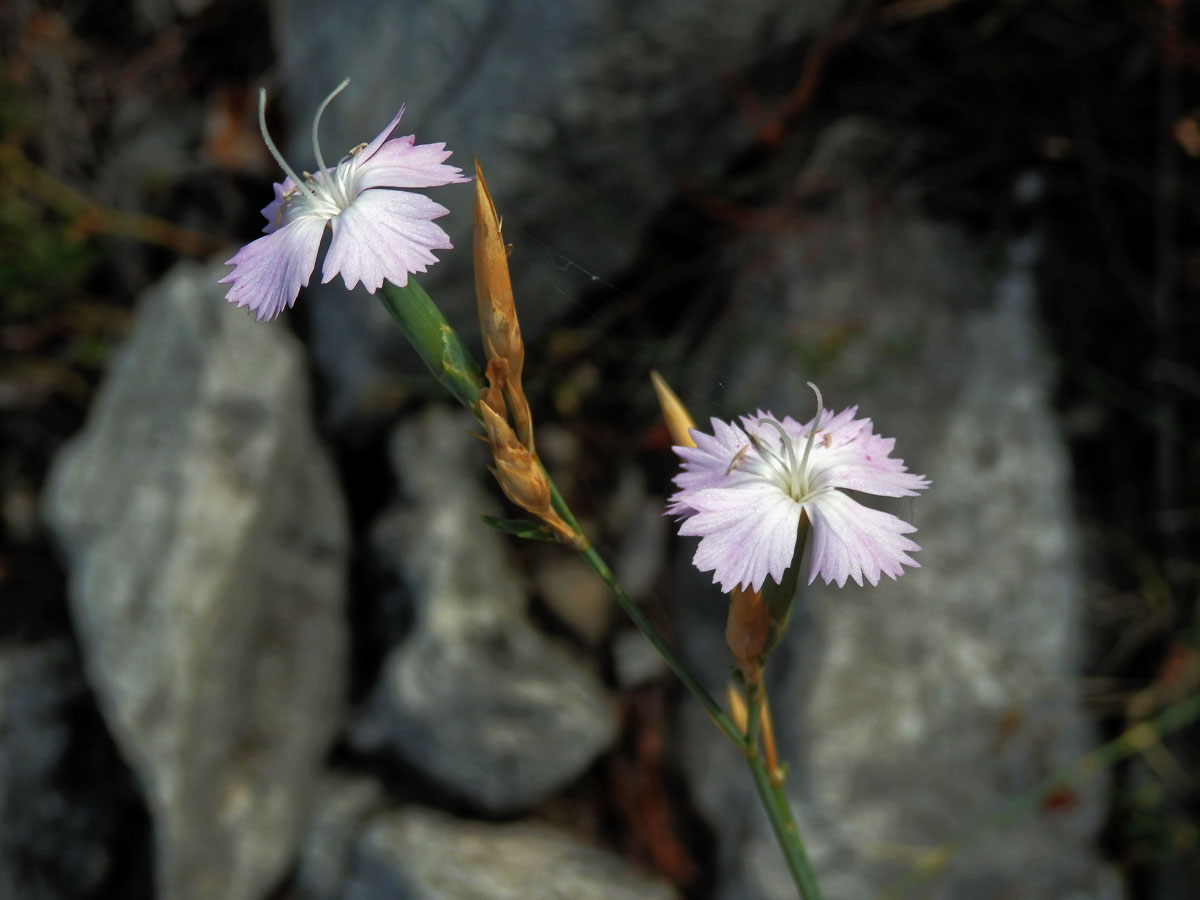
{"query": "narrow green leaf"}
[(521, 528)]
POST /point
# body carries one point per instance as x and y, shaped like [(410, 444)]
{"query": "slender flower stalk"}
[(756, 621), (449, 360), (779, 812), (753, 495), (380, 237), (438, 345), (724, 723)]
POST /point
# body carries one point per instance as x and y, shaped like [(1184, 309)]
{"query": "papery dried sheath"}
[(497, 312), (521, 476)]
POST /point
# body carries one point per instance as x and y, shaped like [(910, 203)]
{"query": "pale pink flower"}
[(742, 491), (378, 234)]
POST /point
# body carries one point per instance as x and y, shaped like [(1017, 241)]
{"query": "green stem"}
[(720, 719), (775, 802), (754, 697), (455, 369), (434, 340), (779, 597)]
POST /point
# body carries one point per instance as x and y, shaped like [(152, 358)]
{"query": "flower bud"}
[(746, 631), (674, 413)]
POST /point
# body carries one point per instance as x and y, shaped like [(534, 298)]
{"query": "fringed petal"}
[(854, 541), (742, 489), (384, 235), (368, 151), (403, 163), (745, 534), (269, 272)]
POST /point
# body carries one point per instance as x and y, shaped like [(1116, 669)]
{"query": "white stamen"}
[(278, 157), (812, 431), (737, 458), (794, 474), (789, 473), (769, 457), (333, 185)]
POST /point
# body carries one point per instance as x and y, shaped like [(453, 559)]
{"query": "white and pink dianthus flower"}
[(379, 232), (743, 489)]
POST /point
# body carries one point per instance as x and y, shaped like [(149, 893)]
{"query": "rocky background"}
[(256, 643)]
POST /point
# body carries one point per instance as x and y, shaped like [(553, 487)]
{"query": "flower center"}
[(326, 192), (782, 467)]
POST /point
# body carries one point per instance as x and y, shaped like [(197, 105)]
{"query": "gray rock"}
[(206, 542), (418, 854), (475, 697), (67, 810), (34, 737), (341, 810), (635, 661), (914, 710), (358, 848), (576, 597), (637, 518), (587, 117)]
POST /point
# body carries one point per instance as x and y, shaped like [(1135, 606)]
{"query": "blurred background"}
[(254, 640)]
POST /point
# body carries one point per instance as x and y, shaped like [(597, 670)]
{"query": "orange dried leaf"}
[(521, 477), (498, 323)]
